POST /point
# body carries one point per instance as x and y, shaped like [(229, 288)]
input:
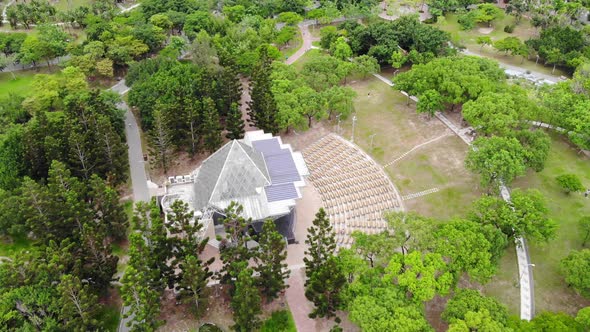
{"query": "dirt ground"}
[(181, 317)]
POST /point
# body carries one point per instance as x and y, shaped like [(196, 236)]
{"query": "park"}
[(202, 168)]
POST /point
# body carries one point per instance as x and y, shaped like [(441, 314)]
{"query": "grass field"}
[(279, 321), (22, 80), (63, 5), (551, 293), (524, 30), (397, 128), (10, 247)]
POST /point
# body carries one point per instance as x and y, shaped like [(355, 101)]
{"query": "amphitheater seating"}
[(354, 189)]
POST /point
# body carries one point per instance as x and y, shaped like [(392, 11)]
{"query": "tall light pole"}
[(372, 137), (338, 118), (353, 123)]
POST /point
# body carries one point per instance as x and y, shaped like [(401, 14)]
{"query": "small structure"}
[(258, 172)]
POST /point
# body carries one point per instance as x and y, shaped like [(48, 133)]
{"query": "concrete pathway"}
[(305, 46), (420, 194), (136, 167), (298, 304), (526, 282)]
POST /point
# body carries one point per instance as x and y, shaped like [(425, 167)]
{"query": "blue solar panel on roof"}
[(281, 168), (280, 192)]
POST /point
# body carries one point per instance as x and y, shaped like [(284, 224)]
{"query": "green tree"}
[(321, 243), (137, 290), (323, 288), (340, 49), (398, 59), (583, 318), (430, 102), (569, 183), (193, 282), (525, 216), (262, 109), (477, 321), (270, 259), (160, 141), (574, 268), (366, 65), (211, 126), (246, 303), (79, 304), (234, 252), (487, 13), (467, 300), (496, 113), (234, 124), (483, 41), (465, 248), (496, 159), (421, 275)]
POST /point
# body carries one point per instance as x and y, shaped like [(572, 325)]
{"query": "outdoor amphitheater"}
[(354, 189)]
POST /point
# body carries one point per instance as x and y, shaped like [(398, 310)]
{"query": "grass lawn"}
[(313, 53), (109, 316), (20, 84), (524, 30), (279, 321), (397, 128), (551, 293), (63, 5), (9, 247)]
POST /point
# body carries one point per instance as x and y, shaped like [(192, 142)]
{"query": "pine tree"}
[(99, 262), (323, 288), (321, 243), (262, 109), (109, 213), (211, 126), (193, 119), (160, 141), (149, 223), (230, 87), (234, 252), (185, 231), (270, 258), (246, 303), (234, 123), (78, 305), (113, 152), (193, 283), (137, 291)]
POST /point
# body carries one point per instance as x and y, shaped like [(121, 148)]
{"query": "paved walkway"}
[(136, 167), (4, 19), (526, 282), (298, 304), (308, 39)]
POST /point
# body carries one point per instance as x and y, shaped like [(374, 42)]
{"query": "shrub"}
[(509, 28), (467, 21), (569, 183)]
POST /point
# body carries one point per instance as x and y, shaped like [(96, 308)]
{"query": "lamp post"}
[(338, 118), (353, 123), (372, 137)]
